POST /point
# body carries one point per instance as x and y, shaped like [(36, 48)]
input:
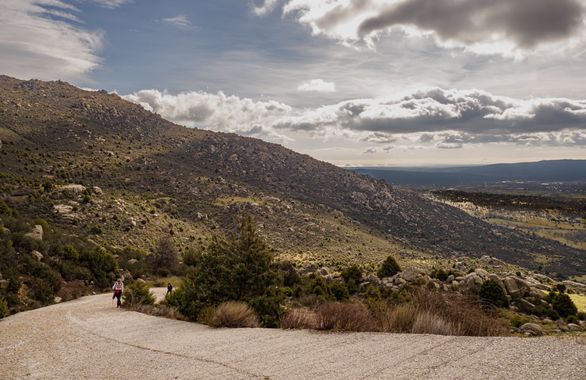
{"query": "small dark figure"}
[(118, 288), (169, 288)]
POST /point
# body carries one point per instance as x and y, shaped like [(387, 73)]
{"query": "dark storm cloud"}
[(526, 22)]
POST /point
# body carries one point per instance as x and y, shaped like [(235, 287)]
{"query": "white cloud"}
[(217, 112), (264, 7), (180, 21), (111, 3), (510, 28), (43, 39), (317, 85), (445, 119)]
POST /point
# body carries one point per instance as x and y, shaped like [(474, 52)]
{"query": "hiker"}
[(169, 288), (118, 288)]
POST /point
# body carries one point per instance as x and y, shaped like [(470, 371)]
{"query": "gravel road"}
[(90, 339)]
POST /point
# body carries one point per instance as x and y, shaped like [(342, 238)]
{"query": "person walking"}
[(169, 288), (118, 288)]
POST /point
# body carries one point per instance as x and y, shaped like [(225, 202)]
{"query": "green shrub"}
[(572, 319), (339, 290), (138, 293), (165, 257), (562, 304), (518, 321), (581, 315), (491, 292), (389, 268), (352, 277), (440, 274), (4, 312), (239, 268)]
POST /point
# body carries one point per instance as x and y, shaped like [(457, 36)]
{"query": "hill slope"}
[(158, 177)]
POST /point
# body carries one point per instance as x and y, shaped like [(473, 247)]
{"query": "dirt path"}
[(90, 339)]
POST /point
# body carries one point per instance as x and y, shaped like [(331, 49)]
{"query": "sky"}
[(351, 82)]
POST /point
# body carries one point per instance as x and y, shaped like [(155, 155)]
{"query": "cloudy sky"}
[(352, 82)]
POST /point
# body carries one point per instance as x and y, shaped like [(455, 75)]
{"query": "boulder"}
[(57, 299), (531, 329), (497, 279), (482, 273), (373, 279), (38, 255), (537, 293), (472, 282), (132, 261), (574, 327), (73, 188), (574, 284), (97, 190), (450, 279), (140, 280), (511, 286), (543, 278), (36, 233), (323, 271)]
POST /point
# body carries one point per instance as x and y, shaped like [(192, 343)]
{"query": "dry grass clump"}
[(428, 312), (464, 317), (344, 317), (299, 318), (234, 314), (429, 323), (159, 311), (398, 319)]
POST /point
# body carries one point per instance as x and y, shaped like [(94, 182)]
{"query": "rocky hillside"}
[(142, 176)]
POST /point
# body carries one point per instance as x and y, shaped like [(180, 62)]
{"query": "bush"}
[(234, 314), (299, 318), (343, 317), (518, 321), (4, 312), (581, 315), (562, 304), (440, 274), (352, 277), (491, 292), (164, 259), (572, 319), (239, 268), (339, 290), (138, 293), (389, 268)]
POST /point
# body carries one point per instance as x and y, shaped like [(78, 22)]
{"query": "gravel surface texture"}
[(90, 339)]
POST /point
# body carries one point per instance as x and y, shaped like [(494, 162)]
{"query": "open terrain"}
[(90, 339)]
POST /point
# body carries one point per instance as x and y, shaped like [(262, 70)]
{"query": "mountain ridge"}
[(62, 134)]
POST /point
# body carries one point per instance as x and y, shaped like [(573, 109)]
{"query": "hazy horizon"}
[(351, 82)]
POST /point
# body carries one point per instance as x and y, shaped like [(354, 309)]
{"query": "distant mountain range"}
[(141, 177), (543, 171)]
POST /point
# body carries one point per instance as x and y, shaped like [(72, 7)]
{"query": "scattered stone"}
[(38, 255), (73, 188), (574, 327), (574, 284), (132, 261), (57, 299), (532, 329), (36, 233), (140, 280), (97, 190), (482, 273)]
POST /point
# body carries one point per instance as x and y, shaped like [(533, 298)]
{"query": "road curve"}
[(90, 339)]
